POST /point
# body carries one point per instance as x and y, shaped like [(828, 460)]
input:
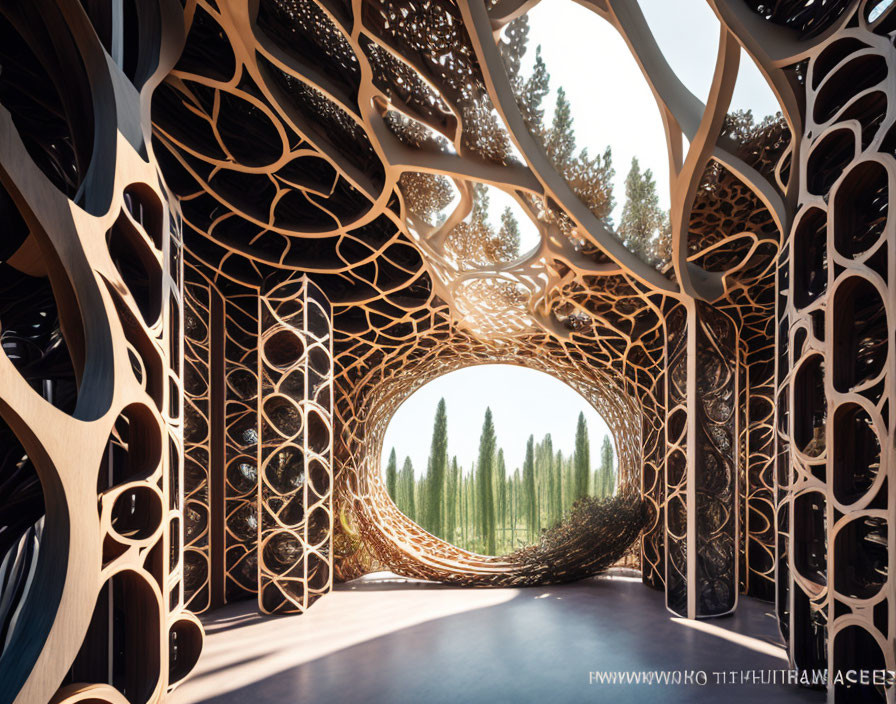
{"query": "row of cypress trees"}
[(488, 509)]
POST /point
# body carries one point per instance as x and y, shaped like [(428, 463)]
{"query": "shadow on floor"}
[(391, 644), (383, 581)]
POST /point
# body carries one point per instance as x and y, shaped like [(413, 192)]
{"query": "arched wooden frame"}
[(318, 193), (600, 313)]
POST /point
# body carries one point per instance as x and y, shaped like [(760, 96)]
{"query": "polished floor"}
[(385, 640)]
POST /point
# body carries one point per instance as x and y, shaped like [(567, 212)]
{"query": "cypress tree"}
[(570, 480), (531, 499), (581, 459), (558, 486), (420, 500), (450, 506), (460, 500), (566, 487), (539, 477), (642, 227), (501, 496), (514, 504), (392, 476), (471, 505), (510, 510), (457, 498), (435, 475), (486, 469), (592, 181), (422, 505), (548, 482), (591, 178), (560, 144), (608, 476), (406, 482), (401, 499), (513, 46), (465, 521), (532, 94), (475, 514), (506, 246)]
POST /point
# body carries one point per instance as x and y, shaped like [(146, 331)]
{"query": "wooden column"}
[(701, 462), (295, 493)]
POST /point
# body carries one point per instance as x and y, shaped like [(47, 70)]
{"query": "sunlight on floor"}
[(269, 646), (760, 646), (385, 639)]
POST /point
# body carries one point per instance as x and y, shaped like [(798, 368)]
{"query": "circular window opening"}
[(487, 457)]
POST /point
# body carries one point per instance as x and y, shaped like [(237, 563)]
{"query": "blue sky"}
[(611, 105)]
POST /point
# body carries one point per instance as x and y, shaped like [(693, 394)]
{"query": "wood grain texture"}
[(177, 178), (102, 619)]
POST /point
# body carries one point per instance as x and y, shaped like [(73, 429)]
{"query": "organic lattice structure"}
[(295, 493), (91, 510), (835, 499), (239, 235)]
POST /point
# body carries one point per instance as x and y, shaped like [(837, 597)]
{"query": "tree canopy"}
[(644, 226)]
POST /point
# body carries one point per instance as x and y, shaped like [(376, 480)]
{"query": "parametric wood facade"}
[(219, 280)]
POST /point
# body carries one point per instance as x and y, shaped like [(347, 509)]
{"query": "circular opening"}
[(137, 513), (862, 548), (860, 336), (243, 383), (319, 526), (282, 552), (184, 646), (145, 208), (140, 271), (318, 432), (283, 414), (285, 471), (810, 262), (134, 448), (196, 520), (196, 572), (828, 159), (810, 537), (861, 207), (25, 536), (283, 349), (243, 522), (54, 119), (810, 407), (856, 453), (832, 56), (318, 477), (318, 572), (40, 325), (857, 74), (876, 9), (242, 474), (502, 459)]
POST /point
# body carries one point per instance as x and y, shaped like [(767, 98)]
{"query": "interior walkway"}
[(387, 640)]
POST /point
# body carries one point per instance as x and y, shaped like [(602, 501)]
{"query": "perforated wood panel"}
[(835, 496), (91, 385), (747, 381), (295, 500)]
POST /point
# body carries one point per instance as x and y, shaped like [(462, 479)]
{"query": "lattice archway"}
[(396, 542), (356, 102)]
